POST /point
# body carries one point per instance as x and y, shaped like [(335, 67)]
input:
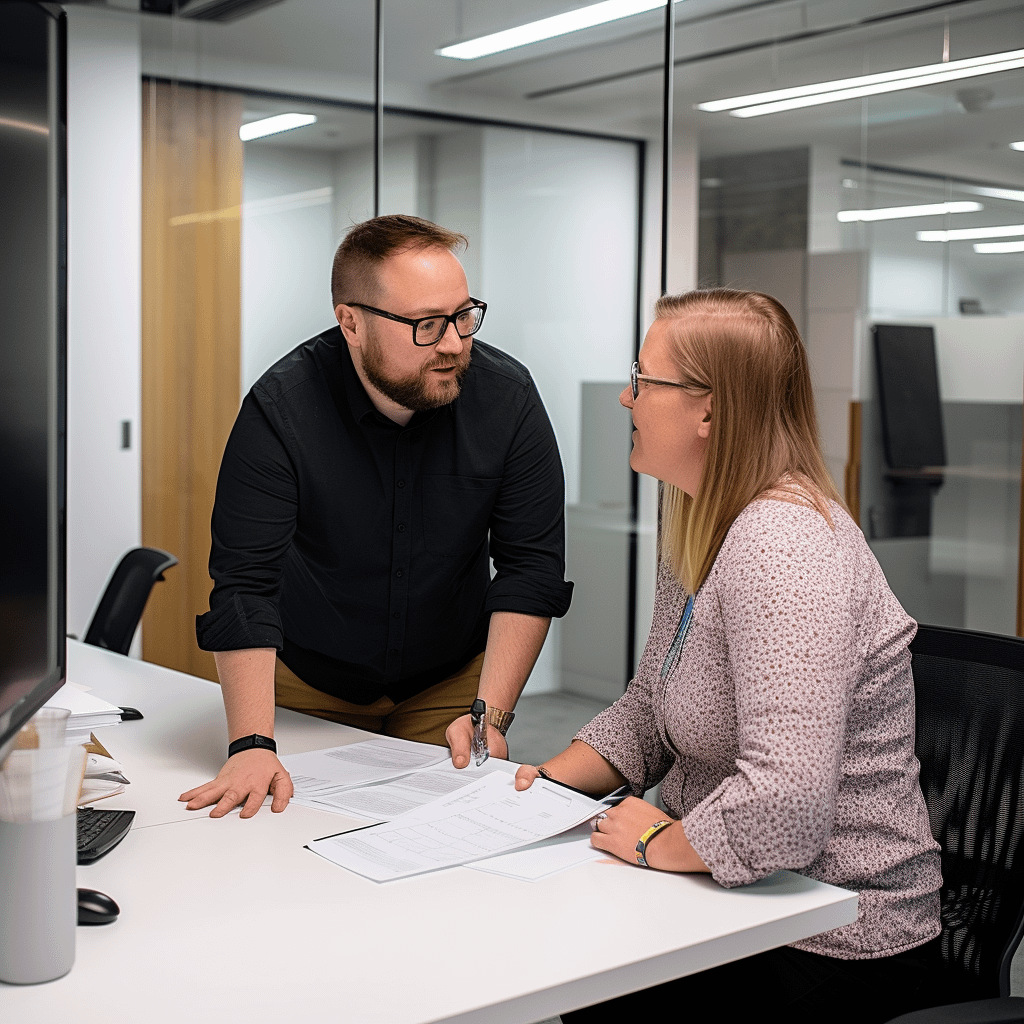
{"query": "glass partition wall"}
[(891, 223)]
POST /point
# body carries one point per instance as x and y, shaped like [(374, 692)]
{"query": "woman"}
[(774, 700)]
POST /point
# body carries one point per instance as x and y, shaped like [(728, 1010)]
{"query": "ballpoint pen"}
[(478, 716)]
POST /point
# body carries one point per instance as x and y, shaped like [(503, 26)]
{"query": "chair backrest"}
[(117, 615), (969, 691)]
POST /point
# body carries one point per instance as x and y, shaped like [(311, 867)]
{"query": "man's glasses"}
[(636, 378), (429, 330)]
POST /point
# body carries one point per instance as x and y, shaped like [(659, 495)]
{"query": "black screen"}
[(32, 328), (911, 407)]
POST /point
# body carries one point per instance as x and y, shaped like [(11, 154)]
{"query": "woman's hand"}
[(525, 776), (619, 830)]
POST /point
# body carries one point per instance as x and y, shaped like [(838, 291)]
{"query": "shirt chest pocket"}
[(456, 512)]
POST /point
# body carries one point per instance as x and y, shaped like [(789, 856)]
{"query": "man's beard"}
[(415, 391)]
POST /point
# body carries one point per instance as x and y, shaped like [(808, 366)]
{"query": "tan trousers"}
[(423, 717)]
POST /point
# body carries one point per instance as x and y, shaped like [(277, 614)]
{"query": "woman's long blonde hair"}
[(744, 350)]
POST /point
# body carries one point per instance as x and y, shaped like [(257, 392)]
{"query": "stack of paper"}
[(87, 712), (486, 818)]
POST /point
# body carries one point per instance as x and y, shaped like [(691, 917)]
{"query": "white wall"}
[(104, 301)]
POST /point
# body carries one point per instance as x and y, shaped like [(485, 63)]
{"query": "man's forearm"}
[(513, 644), (247, 681)]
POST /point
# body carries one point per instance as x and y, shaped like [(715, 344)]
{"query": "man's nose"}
[(626, 397), (450, 341)]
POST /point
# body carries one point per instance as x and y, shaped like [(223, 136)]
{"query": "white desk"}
[(233, 919)]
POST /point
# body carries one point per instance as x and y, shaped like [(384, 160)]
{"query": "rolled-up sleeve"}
[(253, 523), (791, 642), (527, 523)]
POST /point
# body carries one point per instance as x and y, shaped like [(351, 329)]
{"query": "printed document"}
[(545, 858), (319, 772), (388, 800), (481, 820)]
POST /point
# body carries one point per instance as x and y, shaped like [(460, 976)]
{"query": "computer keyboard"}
[(100, 831)]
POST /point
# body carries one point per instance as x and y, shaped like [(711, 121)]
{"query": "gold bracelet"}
[(641, 847)]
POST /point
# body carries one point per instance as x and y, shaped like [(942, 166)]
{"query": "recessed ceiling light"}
[(273, 125), (895, 212), (548, 28), (961, 234), (756, 104), (999, 246), (1019, 146)]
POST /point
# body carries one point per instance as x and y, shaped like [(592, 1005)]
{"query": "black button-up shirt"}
[(358, 548)]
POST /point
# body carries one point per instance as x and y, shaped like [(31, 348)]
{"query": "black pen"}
[(478, 716)]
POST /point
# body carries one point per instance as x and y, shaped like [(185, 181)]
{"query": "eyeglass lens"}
[(634, 369), (467, 322)]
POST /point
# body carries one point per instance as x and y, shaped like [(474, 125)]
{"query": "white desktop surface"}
[(235, 919)]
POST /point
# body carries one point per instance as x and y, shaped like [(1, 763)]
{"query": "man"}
[(369, 475)]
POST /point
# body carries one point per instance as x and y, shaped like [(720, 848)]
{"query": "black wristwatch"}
[(253, 742)]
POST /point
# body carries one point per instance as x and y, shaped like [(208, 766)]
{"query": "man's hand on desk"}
[(459, 736), (247, 777)]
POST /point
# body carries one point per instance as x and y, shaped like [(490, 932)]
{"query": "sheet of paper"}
[(318, 772), (481, 820), (545, 858), (388, 800)]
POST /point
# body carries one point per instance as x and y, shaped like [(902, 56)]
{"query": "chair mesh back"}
[(970, 741)]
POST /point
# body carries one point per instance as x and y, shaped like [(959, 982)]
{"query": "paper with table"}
[(478, 821)]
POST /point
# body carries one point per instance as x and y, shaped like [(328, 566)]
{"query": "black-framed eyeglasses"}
[(635, 378), (429, 330)]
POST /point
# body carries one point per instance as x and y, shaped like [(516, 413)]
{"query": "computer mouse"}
[(96, 907)]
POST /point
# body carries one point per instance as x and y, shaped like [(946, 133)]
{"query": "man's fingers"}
[(252, 804), (228, 802), (525, 776), (459, 739), (283, 791)]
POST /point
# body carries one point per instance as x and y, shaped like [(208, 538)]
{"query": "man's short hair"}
[(368, 245)]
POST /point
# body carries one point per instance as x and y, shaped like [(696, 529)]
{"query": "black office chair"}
[(117, 616), (969, 690)]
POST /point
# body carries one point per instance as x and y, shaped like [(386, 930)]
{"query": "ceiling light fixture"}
[(962, 234), (273, 125), (757, 104), (548, 28), (999, 247), (896, 212), (1019, 146)]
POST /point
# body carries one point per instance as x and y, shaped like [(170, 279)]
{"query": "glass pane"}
[(842, 209)]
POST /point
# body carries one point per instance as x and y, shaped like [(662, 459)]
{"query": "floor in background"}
[(546, 723)]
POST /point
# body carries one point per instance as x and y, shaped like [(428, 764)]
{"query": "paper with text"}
[(545, 858), (387, 800), (318, 772), (481, 820)]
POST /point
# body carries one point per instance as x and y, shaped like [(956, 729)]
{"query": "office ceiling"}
[(596, 79)]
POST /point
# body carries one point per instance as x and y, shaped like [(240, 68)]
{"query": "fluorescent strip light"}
[(756, 104), (273, 125), (1018, 146), (895, 212), (549, 28), (962, 234), (999, 246)]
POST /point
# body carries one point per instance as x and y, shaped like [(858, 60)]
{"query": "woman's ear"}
[(704, 427)]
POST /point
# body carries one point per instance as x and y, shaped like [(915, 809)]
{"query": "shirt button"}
[(401, 527), (401, 483), (394, 650), (397, 615), (399, 574)]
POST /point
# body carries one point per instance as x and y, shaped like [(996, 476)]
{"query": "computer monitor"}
[(33, 361)]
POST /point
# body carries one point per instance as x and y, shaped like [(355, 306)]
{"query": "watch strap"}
[(253, 742), (501, 720), (641, 846)]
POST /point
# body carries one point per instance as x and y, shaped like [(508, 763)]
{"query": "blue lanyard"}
[(676, 647)]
